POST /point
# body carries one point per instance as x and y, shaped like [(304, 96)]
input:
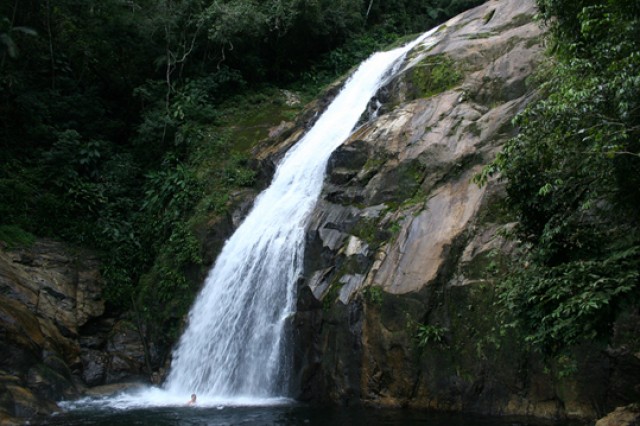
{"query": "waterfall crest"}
[(234, 345)]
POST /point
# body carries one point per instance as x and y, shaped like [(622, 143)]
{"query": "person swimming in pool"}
[(192, 401)]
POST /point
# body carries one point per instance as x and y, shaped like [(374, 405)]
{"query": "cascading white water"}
[(233, 350), (234, 344)]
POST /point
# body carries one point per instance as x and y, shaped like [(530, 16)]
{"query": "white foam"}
[(151, 397)]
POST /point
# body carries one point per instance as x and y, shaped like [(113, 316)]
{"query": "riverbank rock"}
[(403, 249), (47, 294), (622, 416), (55, 338)]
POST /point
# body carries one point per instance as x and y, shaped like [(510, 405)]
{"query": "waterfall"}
[(234, 345)]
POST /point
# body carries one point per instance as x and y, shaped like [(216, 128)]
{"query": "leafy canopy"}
[(573, 178)]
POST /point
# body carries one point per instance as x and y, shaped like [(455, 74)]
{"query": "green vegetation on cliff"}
[(573, 179)]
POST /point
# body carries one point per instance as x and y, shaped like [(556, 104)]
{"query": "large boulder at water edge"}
[(403, 249)]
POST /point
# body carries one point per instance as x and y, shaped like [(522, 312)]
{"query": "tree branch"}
[(53, 64), (366, 16)]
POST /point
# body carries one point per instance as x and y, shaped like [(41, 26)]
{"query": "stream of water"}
[(235, 344)]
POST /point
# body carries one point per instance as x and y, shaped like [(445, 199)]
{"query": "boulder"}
[(622, 416)]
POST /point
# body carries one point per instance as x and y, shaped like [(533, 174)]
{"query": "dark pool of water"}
[(282, 416)]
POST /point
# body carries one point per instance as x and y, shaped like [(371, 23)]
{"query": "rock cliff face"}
[(403, 249), (54, 337), (45, 296)]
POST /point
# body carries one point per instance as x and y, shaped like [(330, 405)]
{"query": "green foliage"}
[(228, 22), (374, 295), (427, 334), (165, 292), (566, 304), (573, 179), (395, 228), (14, 236), (406, 16), (120, 287), (329, 299), (435, 75), (169, 195), (369, 231)]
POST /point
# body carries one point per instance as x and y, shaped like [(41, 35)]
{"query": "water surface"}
[(282, 415)]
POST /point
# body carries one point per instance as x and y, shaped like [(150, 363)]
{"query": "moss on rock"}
[(434, 74)]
